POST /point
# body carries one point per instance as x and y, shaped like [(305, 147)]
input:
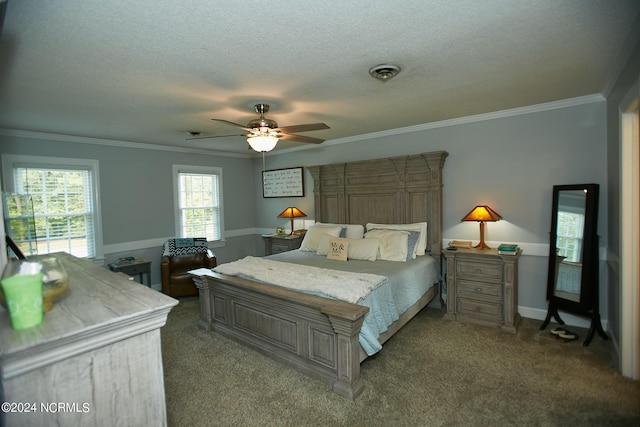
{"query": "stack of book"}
[(508, 249)]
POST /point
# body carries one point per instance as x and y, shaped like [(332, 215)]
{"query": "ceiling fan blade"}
[(216, 136), (303, 128), (232, 124), (300, 138)]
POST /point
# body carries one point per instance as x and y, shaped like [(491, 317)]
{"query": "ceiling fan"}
[(263, 134)]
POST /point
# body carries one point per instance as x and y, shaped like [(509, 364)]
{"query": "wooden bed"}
[(316, 335)]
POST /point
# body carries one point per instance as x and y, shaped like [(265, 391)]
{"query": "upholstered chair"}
[(177, 260)]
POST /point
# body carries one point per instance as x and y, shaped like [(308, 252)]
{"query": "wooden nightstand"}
[(482, 287), (274, 244), (136, 267)]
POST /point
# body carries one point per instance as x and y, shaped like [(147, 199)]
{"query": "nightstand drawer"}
[(138, 267), (486, 310), (481, 290), (480, 270), (277, 247), (134, 269)]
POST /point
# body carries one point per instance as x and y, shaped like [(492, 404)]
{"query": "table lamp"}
[(292, 212), (482, 214)]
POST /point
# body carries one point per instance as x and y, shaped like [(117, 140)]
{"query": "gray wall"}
[(510, 163), (136, 192)]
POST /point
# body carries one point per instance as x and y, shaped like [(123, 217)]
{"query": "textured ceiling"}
[(150, 71)]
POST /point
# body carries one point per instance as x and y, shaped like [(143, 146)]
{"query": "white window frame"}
[(11, 161), (207, 170), (578, 239)]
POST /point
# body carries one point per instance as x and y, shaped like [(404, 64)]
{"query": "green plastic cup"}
[(23, 294)]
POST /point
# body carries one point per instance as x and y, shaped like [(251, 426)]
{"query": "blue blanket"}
[(407, 283)]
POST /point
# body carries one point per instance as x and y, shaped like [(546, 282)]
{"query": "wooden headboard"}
[(395, 190)]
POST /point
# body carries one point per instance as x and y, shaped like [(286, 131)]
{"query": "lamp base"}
[(482, 245)]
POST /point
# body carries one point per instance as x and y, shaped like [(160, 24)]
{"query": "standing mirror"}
[(572, 282)]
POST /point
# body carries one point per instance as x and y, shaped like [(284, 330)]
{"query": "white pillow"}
[(323, 244), (352, 231), (312, 237), (421, 246), (361, 249), (364, 249), (393, 244)]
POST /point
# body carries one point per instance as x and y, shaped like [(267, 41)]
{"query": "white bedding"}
[(342, 285), (405, 284)]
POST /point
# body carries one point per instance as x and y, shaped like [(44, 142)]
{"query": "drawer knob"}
[(478, 308), (479, 290)]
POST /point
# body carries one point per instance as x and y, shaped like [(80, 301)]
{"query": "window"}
[(63, 194), (569, 236), (198, 201)]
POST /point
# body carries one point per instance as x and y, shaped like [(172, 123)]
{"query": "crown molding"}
[(477, 118), (565, 103), (570, 102), (16, 133)]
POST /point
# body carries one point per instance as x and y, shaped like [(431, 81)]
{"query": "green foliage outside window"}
[(62, 208)]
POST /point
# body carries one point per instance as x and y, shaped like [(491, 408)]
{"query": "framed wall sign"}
[(283, 183)]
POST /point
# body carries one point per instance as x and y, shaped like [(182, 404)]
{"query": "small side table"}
[(137, 267), (482, 287), (275, 244)]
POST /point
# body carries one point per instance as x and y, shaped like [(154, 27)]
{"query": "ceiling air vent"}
[(384, 72)]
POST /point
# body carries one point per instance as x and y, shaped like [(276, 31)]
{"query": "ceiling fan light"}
[(262, 143)]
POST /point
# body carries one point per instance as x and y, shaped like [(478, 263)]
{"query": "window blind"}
[(63, 206), (199, 205)]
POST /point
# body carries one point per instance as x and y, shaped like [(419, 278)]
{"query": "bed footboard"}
[(318, 336)]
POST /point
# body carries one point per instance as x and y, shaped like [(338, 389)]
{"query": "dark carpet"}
[(434, 372)]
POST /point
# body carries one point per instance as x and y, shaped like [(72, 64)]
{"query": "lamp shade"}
[(482, 213), (262, 143), (292, 212)]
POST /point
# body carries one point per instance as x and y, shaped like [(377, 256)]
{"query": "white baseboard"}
[(569, 319)]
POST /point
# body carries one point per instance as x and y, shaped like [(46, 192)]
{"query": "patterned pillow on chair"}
[(185, 246)]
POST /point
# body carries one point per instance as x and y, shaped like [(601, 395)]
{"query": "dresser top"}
[(97, 302), (480, 253)]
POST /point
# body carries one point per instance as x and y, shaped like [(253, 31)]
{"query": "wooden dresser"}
[(94, 361), (482, 287)]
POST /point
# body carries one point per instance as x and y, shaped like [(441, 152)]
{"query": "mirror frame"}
[(589, 282)]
